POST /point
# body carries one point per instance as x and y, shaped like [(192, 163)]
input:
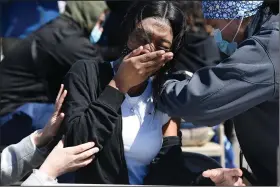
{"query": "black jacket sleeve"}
[(217, 93), (168, 168), (89, 116)]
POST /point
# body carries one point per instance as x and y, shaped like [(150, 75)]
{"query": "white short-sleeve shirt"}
[(142, 133)]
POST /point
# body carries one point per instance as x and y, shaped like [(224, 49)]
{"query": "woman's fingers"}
[(135, 52), (84, 163), (60, 101), (87, 154), (158, 62), (59, 119), (60, 91), (148, 56), (168, 56), (153, 67), (80, 148)]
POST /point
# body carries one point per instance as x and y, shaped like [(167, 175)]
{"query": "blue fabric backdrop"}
[(20, 18)]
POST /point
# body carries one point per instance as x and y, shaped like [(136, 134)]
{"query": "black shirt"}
[(33, 70)]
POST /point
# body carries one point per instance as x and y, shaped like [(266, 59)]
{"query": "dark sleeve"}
[(168, 168), (164, 168), (88, 115), (217, 93), (54, 61)]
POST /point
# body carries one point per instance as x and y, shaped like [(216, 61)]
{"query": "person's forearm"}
[(39, 178), (116, 85), (19, 159), (213, 94)]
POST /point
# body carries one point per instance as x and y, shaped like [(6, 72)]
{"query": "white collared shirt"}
[(141, 132)]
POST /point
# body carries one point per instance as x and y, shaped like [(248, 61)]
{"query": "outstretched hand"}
[(63, 160), (51, 128), (225, 176)]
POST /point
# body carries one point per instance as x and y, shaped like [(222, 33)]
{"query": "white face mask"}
[(226, 47), (95, 34)]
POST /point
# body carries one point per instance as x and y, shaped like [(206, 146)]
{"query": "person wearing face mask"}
[(244, 86), (32, 70), (97, 30)]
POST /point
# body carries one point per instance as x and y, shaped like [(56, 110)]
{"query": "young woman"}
[(128, 128)]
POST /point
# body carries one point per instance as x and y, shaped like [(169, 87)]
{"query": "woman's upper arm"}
[(88, 115), (171, 128)]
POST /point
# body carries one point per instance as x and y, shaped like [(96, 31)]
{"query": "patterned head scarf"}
[(229, 9)]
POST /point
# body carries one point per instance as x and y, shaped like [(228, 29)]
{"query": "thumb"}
[(207, 173), (60, 144)]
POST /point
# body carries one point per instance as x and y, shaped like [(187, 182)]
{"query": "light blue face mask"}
[(226, 47), (95, 34)]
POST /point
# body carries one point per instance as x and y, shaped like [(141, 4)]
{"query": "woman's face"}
[(153, 34)]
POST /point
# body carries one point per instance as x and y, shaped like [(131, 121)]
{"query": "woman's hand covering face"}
[(137, 67)]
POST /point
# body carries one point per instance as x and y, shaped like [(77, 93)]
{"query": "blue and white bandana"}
[(229, 9)]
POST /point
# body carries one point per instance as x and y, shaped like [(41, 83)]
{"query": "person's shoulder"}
[(267, 38), (85, 65), (90, 67), (258, 48), (252, 61)]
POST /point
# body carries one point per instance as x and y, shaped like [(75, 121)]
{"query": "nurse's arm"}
[(217, 93)]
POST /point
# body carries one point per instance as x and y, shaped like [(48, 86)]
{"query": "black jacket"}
[(92, 113), (245, 87), (33, 69)]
